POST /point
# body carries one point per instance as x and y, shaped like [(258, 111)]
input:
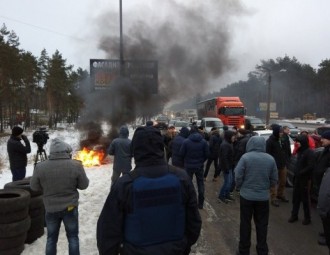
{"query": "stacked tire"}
[(14, 220), (36, 209)]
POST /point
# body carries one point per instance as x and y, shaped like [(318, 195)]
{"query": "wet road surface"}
[(220, 231)]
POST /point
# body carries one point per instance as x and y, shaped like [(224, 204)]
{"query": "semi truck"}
[(230, 110)]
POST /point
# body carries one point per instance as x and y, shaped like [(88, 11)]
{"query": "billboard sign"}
[(143, 74), (263, 106)]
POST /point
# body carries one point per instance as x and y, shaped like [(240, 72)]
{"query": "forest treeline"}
[(45, 90), (36, 91), (296, 89)]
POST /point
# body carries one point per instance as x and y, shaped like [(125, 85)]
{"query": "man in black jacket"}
[(322, 163), (274, 147), (17, 153), (152, 209)]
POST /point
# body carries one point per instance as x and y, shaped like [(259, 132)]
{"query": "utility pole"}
[(121, 50), (269, 94), (269, 88)]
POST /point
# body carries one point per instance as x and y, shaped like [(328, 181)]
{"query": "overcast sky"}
[(257, 29)]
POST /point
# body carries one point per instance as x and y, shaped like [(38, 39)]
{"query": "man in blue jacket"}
[(176, 144), (195, 152), (255, 174)]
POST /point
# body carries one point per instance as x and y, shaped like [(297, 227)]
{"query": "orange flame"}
[(89, 157)]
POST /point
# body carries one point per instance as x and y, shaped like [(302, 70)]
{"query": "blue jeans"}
[(18, 173), (70, 221), (225, 189)]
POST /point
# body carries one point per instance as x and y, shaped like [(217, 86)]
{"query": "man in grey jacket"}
[(255, 174), (59, 177)]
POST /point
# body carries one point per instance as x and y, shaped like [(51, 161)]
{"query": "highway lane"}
[(220, 229)]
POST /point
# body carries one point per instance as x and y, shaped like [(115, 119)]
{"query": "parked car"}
[(294, 131), (255, 123), (320, 130), (162, 119), (172, 122), (179, 124), (266, 133)]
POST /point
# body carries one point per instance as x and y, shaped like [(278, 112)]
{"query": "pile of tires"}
[(36, 209), (14, 220)]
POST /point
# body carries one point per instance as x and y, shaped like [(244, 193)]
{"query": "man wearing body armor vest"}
[(152, 209)]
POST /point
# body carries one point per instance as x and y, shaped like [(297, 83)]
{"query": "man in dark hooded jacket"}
[(321, 165), (121, 149), (214, 145), (176, 144), (274, 148), (161, 225), (195, 152), (17, 153), (227, 165)]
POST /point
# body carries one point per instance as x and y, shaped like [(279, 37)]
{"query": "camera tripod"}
[(40, 156)]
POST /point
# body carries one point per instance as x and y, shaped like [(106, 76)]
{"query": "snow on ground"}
[(91, 199), (90, 203)]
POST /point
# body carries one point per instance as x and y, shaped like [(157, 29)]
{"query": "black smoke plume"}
[(189, 39)]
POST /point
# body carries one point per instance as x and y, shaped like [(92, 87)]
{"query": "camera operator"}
[(17, 153)]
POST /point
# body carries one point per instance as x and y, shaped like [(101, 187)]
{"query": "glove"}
[(24, 138)]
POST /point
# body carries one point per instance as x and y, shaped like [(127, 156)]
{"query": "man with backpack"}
[(151, 210)]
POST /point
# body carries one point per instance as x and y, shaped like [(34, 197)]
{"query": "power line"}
[(42, 28)]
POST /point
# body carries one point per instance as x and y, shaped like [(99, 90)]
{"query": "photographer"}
[(17, 153)]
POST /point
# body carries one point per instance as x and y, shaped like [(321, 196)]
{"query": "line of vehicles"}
[(230, 111)]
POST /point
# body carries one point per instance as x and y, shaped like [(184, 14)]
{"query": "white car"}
[(267, 133), (179, 124)]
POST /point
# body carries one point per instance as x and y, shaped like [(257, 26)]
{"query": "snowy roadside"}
[(90, 203)]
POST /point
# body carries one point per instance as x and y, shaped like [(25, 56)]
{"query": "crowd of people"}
[(155, 205), (257, 169)]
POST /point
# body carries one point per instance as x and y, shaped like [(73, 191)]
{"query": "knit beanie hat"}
[(16, 131), (326, 135)]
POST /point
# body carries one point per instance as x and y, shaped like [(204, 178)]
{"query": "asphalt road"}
[(220, 230)]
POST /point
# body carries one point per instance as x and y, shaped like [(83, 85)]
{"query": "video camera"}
[(40, 137)]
